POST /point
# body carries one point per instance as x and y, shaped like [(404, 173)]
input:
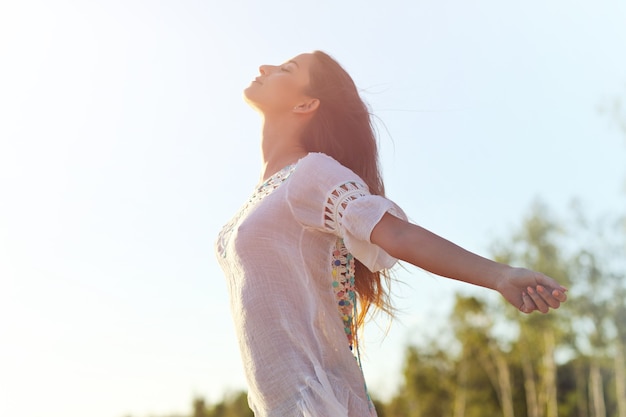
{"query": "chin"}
[(247, 95), (250, 101)]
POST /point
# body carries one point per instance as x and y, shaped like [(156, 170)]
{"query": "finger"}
[(548, 282), (559, 295), (528, 306), (547, 296), (539, 302)]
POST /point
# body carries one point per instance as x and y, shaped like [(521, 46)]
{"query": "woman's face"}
[(280, 88)]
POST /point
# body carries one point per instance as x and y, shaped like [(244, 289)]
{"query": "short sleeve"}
[(356, 225), (326, 196)]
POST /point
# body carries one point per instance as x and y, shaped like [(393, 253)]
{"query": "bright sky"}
[(125, 146)]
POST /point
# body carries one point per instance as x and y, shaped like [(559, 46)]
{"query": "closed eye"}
[(288, 66)]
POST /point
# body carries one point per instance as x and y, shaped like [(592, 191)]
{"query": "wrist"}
[(503, 277)]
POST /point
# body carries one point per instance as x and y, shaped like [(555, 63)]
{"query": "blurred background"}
[(125, 145)]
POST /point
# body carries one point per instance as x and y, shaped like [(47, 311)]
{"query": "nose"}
[(267, 69)]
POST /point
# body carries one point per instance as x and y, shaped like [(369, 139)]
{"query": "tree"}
[(600, 272), (428, 384), (536, 246), (480, 355), (235, 405)]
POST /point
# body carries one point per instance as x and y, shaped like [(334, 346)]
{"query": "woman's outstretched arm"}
[(525, 289)]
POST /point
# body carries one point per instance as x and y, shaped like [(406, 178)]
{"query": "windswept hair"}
[(342, 128)]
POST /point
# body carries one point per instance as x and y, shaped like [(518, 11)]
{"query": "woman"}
[(316, 235)]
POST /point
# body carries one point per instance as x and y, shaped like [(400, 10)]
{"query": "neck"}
[(280, 144)]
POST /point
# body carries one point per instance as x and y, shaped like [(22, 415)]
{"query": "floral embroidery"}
[(343, 285)]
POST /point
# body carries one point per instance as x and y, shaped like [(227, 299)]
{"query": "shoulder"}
[(318, 159), (315, 185), (324, 170)]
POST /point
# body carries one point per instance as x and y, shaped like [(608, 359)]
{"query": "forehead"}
[(303, 61)]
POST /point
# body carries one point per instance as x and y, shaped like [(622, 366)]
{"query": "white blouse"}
[(288, 256)]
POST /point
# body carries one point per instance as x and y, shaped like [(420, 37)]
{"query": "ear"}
[(307, 106)]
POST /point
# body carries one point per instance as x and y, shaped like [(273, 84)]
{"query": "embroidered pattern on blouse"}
[(343, 270), (343, 285), (260, 192), (338, 200)]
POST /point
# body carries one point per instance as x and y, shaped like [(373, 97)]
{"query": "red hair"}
[(342, 128)]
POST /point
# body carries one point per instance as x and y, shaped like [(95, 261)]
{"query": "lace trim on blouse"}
[(271, 184), (338, 200)]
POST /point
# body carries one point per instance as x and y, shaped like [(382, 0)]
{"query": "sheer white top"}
[(277, 255)]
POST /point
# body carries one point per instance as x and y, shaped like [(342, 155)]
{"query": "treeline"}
[(494, 361), (570, 363), (233, 406)]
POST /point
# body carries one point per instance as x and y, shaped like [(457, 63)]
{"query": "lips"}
[(257, 80)]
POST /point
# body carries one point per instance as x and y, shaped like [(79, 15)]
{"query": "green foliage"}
[(231, 406), (516, 373), (235, 406)]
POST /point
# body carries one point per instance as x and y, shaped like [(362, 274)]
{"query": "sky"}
[(125, 145)]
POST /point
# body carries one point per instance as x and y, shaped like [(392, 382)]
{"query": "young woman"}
[(305, 255)]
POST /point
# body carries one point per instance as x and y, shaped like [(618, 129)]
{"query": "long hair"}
[(342, 128)]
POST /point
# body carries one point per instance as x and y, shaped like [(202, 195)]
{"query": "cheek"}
[(284, 89), (277, 94)]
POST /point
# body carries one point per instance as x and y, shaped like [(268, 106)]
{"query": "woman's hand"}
[(529, 290)]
